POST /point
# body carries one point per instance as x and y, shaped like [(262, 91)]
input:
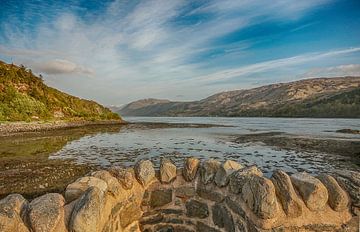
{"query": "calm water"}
[(126, 146)]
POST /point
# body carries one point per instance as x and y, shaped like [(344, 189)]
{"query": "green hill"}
[(25, 97)]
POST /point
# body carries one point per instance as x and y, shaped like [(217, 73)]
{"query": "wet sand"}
[(25, 166)]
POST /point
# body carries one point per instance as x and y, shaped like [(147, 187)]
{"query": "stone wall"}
[(208, 196)]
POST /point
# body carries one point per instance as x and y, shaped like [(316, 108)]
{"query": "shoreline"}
[(16, 128), (343, 148)]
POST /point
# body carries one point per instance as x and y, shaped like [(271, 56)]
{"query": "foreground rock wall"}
[(208, 196)]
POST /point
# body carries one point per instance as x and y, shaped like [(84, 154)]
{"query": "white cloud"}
[(62, 67), (273, 64), (340, 70), (139, 47)]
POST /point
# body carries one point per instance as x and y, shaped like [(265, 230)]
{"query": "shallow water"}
[(128, 145)]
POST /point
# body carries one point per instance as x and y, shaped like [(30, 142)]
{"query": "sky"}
[(119, 51)]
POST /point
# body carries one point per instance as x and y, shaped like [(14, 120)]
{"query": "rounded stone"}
[(14, 203), (87, 211), (338, 198), (286, 193), (113, 184), (46, 213), (167, 171), (238, 178), (76, 189), (350, 181), (225, 170), (191, 166), (12, 208), (208, 170), (313, 192), (259, 194), (145, 172), (124, 175)]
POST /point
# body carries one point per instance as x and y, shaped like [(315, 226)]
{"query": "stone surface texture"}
[(259, 194), (76, 189), (313, 192), (338, 198), (167, 171), (208, 170), (238, 178), (124, 175), (145, 172), (12, 210), (225, 170), (113, 185), (191, 166), (46, 213), (286, 193)]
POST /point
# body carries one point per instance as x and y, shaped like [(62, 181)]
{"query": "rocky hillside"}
[(24, 97), (138, 105), (320, 97)]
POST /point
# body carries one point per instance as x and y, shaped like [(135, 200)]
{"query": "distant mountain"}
[(24, 97), (141, 104), (320, 97)]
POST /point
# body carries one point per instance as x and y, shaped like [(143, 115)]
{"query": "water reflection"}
[(132, 144)]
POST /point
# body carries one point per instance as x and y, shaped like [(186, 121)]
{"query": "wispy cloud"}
[(146, 48), (273, 64), (62, 67), (340, 70)]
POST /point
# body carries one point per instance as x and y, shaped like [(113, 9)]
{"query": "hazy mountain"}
[(24, 97), (320, 97)]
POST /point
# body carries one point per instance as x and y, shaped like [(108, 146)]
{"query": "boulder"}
[(208, 170), (167, 171), (145, 172), (86, 215), (238, 178), (124, 175), (76, 189), (259, 194), (338, 198), (15, 203), (227, 168), (191, 166), (46, 213), (12, 208), (313, 192), (350, 181), (286, 193), (114, 187), (68, 209)]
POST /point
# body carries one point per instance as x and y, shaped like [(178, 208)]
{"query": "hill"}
[(319, 97), (25, 97)]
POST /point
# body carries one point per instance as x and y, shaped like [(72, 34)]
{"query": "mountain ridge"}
[(301, 98)]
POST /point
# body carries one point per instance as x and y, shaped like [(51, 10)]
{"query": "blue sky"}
[(119, 51)]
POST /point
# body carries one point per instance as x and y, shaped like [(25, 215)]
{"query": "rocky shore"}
[(340, 147), (13, 128), (200, 196)]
